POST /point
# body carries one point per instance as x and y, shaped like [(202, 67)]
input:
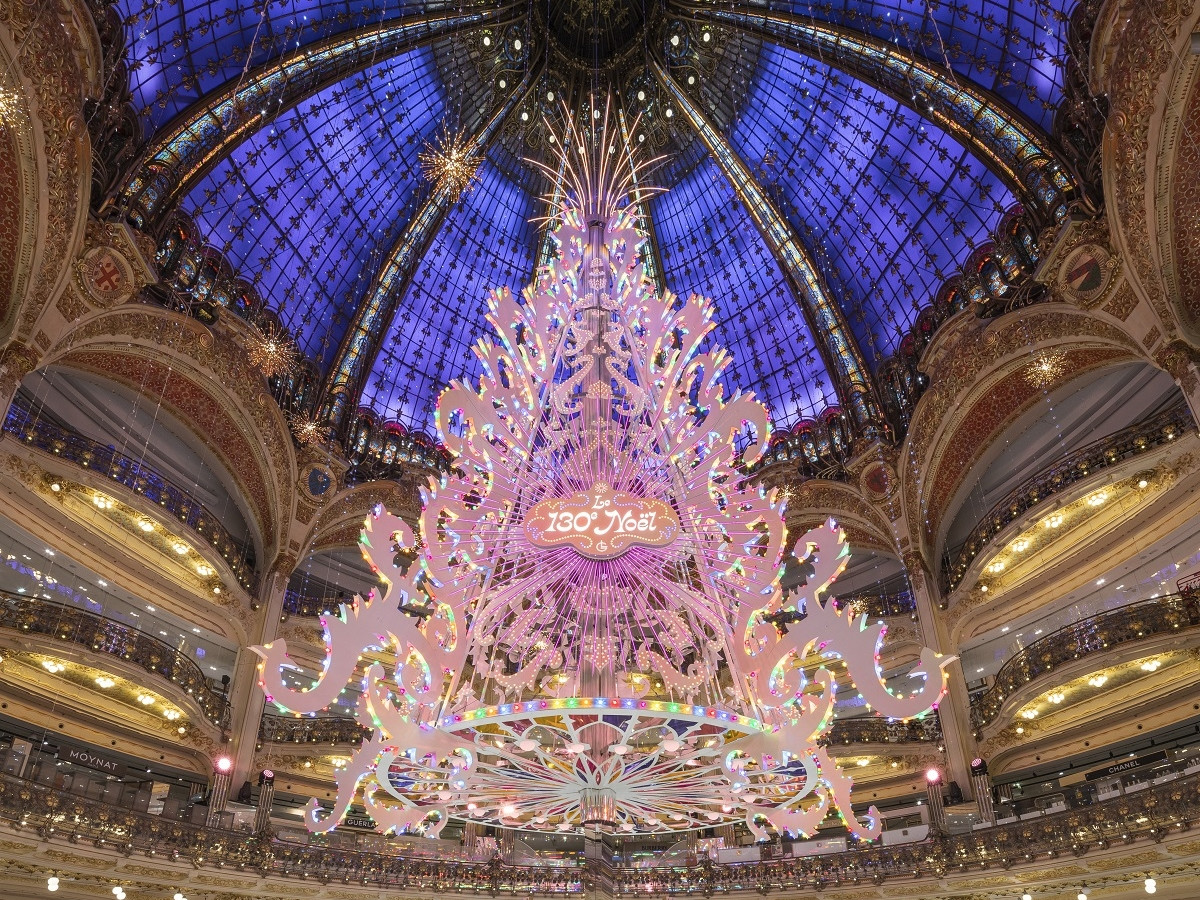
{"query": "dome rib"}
[(994, 131), (207, 131), (373, 318), (839, 349)]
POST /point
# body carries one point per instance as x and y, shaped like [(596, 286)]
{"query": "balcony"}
[(97, 634), (136, 476), (332, 730), (1136, 440), (1139, 621), (1157, 813)]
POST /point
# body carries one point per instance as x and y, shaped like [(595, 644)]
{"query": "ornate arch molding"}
[(1140, 56), (52, 54), (339, 524), (979, 386), (211, 388), (1177, 196), (814, 501)]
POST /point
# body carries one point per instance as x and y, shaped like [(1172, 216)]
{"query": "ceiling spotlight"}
[(933, 776), (52, 883), (1083, 894), (1027, 896), (181, 548), (104, 681), (1151, 885), (56, 487), (146, 525)]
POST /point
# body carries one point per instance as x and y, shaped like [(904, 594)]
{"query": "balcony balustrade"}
[(98, 634), (334, 730), (330, 730), (1141, 621), (1152, 814), (70, 446), (1131, 442)]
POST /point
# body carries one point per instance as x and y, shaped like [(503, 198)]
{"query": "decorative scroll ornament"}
[(619, 672)]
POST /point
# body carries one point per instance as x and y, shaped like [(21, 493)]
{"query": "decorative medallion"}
[(581, 628), (317, 481), (1087, 272), (879, 480), (105, 276)]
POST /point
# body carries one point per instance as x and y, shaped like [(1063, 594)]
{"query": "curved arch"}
[(1177, 204), (47, 159), (208, 387), (203, 135), (978, 385), (984, 124), (815, 500)]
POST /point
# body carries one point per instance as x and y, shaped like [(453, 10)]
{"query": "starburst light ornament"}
[(271, 351), (449, 163), (574, 637)]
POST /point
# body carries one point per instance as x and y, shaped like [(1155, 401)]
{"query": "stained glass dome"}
[(830, 170)]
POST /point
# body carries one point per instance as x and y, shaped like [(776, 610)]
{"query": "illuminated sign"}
[(601, 523)]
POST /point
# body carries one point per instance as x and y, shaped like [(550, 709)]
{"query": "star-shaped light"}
[(449, 163), (272, 351)]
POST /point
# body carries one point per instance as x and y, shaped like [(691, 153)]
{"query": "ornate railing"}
[(881, 605), (30, 615), (335, 730), (1150, 814), (875, 730), (138, 477), (1139, 621), (331, 730), (1110, 451)]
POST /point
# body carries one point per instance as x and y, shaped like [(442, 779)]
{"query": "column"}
[(246, 700), (219, 795), (954, 711), (981, 784), (266, 797), (937, 806)]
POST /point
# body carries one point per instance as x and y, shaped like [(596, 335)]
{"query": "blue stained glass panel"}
[(485, 242), (889, 203), (307, 207), (710, 246), (181, 50), (1015, 48)]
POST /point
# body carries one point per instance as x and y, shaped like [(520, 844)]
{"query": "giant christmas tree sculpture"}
[(575, 637)]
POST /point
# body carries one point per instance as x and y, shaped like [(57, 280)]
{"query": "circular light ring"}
[(558, 705)]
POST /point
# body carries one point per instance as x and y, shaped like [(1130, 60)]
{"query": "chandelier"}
[(580, 633)]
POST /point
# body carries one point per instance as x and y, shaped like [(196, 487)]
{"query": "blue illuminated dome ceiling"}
[(892, 140)]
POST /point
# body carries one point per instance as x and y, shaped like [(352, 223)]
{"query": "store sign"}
[(358, 821), (87, 758), (1127, 765), (601, 523)]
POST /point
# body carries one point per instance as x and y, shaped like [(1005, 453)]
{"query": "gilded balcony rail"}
[(335, 730), (31, 615), (330, 730), (1151, 814), (880, 605), (29, 428), (1139, 621), (1126, 444), (874, 730)]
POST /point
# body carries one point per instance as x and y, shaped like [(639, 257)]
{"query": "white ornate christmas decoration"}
[(576, 637)]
